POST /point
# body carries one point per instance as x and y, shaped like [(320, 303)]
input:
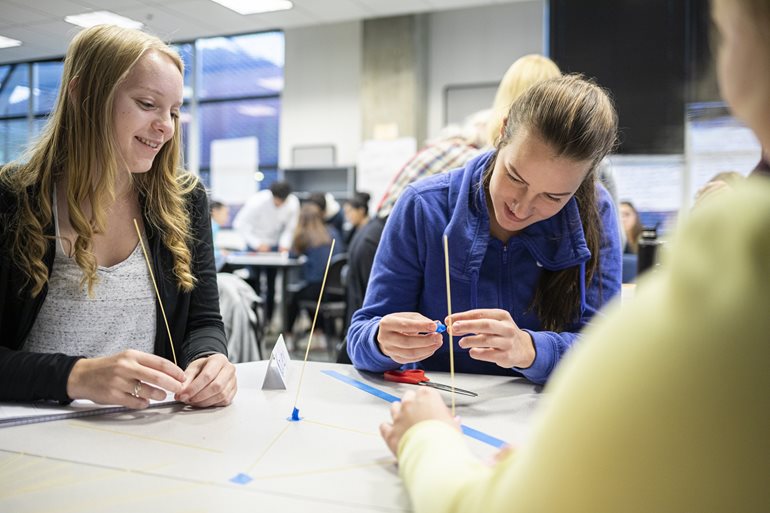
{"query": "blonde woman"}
[(79, 315), (664, 407), (523, 73)]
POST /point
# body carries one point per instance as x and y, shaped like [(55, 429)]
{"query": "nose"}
[(164, 123), (522, 206)]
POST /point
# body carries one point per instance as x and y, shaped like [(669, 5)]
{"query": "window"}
[(232, 89)]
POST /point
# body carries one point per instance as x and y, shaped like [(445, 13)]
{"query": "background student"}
[(78, 312), (267, 222), (312, 238), (533, 242), (632, 225), (664, 407)]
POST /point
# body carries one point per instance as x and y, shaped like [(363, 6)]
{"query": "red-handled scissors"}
[(418, 377)]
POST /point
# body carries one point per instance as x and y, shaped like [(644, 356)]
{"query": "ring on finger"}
[(137, 388)]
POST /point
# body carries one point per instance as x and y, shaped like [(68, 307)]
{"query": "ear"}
[(72, 88), (499, 137), (502, 127)]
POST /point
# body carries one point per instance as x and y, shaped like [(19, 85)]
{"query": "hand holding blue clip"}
[(440, 328)]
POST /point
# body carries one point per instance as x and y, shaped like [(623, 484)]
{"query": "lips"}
[(155, 145)]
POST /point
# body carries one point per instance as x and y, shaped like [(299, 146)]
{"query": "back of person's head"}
[(311, 231), (319, 198), (280, 190), (79, 142), (521, 75)]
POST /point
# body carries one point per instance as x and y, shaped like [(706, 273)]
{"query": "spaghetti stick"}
[(295, 411), (449, 311), (157, 294)]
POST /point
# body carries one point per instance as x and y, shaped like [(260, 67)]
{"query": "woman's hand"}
[(400, 337), (415, 406), (494, 337), (209, 381), (115, 379)]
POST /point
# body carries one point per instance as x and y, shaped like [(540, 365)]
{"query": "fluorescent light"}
[(89, 19), (255, 6), (7, 42)]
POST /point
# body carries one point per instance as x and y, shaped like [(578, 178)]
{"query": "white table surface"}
[(178, 459)]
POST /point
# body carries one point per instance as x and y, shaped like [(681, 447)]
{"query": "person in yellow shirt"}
[(664, 407)]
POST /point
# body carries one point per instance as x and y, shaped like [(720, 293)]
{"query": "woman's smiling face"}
[(530, 183), (145, 111)]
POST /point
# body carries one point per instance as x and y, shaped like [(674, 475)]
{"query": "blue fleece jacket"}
[(408, 273)]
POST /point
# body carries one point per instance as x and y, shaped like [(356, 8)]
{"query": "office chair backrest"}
[(334, 284)]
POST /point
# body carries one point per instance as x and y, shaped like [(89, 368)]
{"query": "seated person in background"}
[(313, 239), (718, 184), (664, 407), (534, 247), (79, 315), (332, 215), (267, 222), (632, 226), (220, 216), (356, 214)]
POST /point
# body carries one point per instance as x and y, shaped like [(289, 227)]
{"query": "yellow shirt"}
[(663, 407)]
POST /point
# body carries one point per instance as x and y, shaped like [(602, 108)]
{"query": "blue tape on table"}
[(362, 386), (467, 431), (241, 479)]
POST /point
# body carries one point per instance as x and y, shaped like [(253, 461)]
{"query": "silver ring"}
[(137, 388)]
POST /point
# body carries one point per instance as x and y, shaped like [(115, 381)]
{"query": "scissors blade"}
[(447, 388)]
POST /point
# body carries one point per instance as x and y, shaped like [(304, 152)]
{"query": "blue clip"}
[(294, 416), (440, 328)]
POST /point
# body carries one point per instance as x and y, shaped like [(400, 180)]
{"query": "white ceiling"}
[(40, 24)]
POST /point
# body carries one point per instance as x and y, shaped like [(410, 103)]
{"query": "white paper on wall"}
[(234, 163), (379, 161)]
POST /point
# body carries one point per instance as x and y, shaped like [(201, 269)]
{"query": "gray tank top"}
[(120, 316)]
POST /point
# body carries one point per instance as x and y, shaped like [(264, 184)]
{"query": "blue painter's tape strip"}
[(241, 479), (363, 386), (467, 431), (483, 437)]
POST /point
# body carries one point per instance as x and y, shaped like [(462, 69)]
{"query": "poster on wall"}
[(234, 164), (379, 162)]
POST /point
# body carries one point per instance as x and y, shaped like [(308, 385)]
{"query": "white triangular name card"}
[(277, 367)]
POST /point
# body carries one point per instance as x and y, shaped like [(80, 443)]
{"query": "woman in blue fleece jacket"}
[(534, 247)]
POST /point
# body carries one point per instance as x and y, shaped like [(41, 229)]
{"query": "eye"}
[(174, 115), (555, 199), (145, 105), (514, 179)]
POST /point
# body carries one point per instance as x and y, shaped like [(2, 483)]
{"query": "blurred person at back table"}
[(267, 222)]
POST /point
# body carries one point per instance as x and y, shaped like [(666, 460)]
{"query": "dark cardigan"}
[(193, 317)]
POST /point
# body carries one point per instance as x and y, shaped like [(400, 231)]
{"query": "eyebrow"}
[(512, 171), (159, 93)]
